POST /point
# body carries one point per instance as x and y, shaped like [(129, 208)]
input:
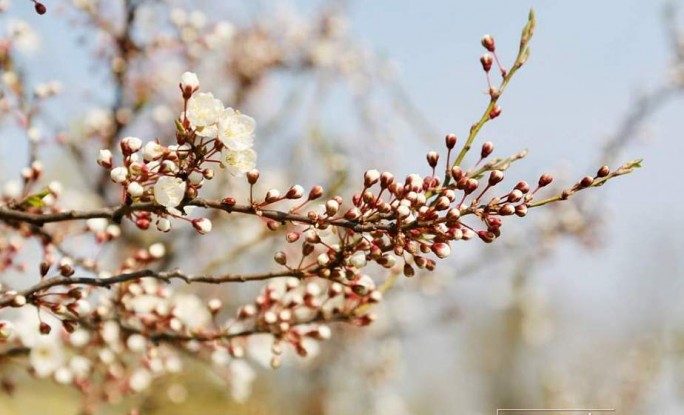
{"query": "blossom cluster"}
[(208, 134)]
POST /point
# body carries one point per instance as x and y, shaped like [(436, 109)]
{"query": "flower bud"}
[(495, 112), (523, 187), (163, 225), (104, 159), (456, 173), (280, 258), (202, 225), (603, 171), (486, 236), (315, 192), (135, 189), (272, 195), (442, 203), (44, 328), (450, 141), (152, 151), (189, 84), (432, 158), (486, 61), (119, 174), (488, 43), (40, 8), (441, 249), (371, 177), (495, 177), (331, 207), (18, 301), (545, 180), (252, 176), (487, 149), (586, 181), (386, 178), (352, 214), (506, 210), (295, 192), (514, 196), (521, 210), (130, 145)]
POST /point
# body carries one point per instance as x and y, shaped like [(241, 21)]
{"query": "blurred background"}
[(578, 305)]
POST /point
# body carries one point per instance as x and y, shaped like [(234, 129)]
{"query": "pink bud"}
[(441, 249)]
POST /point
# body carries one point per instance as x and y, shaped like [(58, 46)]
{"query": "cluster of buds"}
[(208, 134)]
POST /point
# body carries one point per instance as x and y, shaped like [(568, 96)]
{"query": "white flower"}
[(169, 191), (238, 162), (119, 174), (46, 356), (203, 111), (152, 151), (189, 81), (135, 189), (235, 130), (191, 311)]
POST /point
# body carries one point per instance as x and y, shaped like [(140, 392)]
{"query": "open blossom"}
[(238, 162), (203, 113), (236, 130), (169, 191)]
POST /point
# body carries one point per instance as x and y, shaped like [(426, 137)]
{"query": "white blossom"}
[(203, 112), (169, 191), (238, 162), (236, 130)]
